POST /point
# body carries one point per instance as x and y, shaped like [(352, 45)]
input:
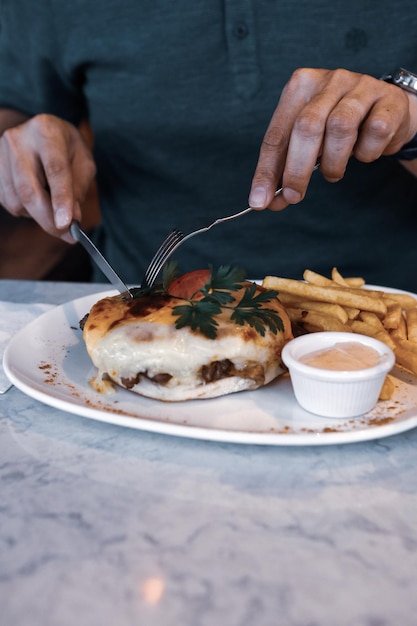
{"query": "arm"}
[(331, 114), (46, 169)]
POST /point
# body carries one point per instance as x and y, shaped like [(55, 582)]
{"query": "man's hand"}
[(46, 169), (331, 115)]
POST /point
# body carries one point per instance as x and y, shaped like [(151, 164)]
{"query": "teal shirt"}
[(179, 96)]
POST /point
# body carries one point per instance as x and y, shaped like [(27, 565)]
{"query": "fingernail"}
[(257, 197), (61, 218), (291, 196)]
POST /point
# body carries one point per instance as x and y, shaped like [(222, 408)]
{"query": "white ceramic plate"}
[(47, 360)]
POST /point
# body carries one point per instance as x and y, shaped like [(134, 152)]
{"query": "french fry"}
[(363, 328), (343, 313), (411, 321), (355, 281), (393, 317), (338, 278), (372, 319), (337, 295), (400, 333), (372, 293), (289, 299), (388, 389), (352, 314), (406, 355), (347, 281), (334, 310), (318, 320), (317, 279), (410, 346), (406, 300)]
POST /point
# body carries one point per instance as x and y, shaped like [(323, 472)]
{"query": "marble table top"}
[(103, 525)]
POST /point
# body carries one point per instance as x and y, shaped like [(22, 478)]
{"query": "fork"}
[(176, 237)]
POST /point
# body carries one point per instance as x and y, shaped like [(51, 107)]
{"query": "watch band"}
[(402, 78), (408, 81)]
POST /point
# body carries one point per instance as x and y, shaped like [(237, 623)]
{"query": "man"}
[(179, 98)]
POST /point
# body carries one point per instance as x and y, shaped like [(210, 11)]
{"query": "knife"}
[(79, 235)]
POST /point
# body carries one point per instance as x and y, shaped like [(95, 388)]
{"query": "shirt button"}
[(241, 30)]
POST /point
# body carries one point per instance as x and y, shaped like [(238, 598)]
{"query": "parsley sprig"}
[(250, 311), (198, 315), (215, 296)]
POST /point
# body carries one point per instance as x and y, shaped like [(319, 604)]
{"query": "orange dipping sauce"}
[(350, 355)]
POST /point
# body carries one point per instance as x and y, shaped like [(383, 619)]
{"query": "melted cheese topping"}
[(138, 346)]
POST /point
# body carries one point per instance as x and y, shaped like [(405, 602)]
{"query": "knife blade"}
[(81, 236)]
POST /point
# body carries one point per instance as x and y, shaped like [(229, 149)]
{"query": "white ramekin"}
[(336, 393)]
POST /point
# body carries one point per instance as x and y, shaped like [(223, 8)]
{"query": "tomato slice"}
[(188, 284)]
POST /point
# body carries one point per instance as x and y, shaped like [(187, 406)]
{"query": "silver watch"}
[(402, 78)]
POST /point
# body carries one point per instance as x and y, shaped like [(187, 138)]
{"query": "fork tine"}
[(172, 236), (169, 249), (160, 252), (164, 251), (159, 259)]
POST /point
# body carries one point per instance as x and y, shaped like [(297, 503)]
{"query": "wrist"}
[(408, 152), (404, 79)]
